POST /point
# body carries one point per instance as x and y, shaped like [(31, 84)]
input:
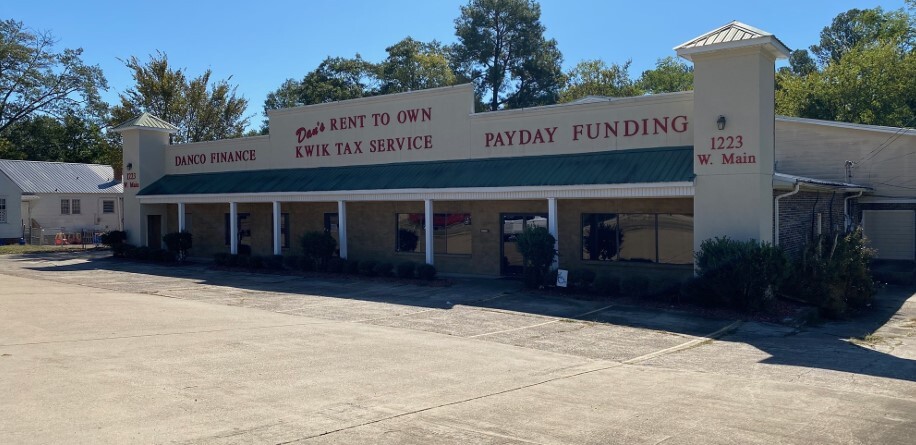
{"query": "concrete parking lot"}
[(98, 351)]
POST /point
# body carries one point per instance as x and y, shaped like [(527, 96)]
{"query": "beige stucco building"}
[(630, 185)]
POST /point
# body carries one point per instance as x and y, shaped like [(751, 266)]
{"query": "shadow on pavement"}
[(826, 346)]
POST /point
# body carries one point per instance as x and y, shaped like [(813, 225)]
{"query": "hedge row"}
[(369, 268)]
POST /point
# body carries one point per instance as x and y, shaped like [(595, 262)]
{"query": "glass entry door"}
[(512, 225)]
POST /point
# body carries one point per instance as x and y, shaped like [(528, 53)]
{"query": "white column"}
[(233, 228), (342, 227), (278, 249), (181, 219), (428, 204), (552, 228)]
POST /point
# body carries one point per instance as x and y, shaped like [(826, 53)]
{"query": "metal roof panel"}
[(668, 164), (61, 177)]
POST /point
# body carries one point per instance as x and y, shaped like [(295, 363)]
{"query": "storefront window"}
[(637, 237), (284, 230), (599, 236), (451, 233), (636, 234), (244, 227), (675, 239)]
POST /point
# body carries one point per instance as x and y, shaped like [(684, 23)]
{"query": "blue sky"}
[(260, 44)]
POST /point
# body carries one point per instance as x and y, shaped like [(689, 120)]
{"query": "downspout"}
[(797, 187), (846, 209)]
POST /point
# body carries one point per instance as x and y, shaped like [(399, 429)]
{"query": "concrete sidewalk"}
[(83, 364)]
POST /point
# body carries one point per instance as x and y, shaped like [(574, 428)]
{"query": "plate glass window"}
[(638, 237), (451, 233)]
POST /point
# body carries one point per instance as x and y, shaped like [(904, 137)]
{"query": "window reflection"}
[(451, 233), (639, 237)]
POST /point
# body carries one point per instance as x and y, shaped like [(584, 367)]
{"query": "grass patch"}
[(868, 339), (14, 249)]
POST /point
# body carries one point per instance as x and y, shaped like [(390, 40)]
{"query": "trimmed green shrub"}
[(384, 269), (142, 253), (318, 247), (120, 249), (164, 256), (426, 272), (179, 243), (634, 286), (242, 260), (113, 238), (580, 278), (367, 268), (606, 285), (536, 245), (291, 262), (352, 267), (274, 262), (833, 274), (740, 274), (221, 259), (233, 260), (336, 265), (406, 269), (306, 264), (256, 262)]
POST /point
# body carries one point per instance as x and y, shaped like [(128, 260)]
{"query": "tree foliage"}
[(865, 71), (70, 139), (201, 108), (863, 28), (413, 65), (37, 80), (502, 45), (596, 78), (670, 75)]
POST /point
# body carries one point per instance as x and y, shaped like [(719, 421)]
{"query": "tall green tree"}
[(37, 80), (335, 79), (863, 27), (47, 138), (203, 109), (865, 71), (670, 75), (414, 65), (502, 45), (596, 78), (868, 85)]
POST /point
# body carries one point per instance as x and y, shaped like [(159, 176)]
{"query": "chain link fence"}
[(51, 236)]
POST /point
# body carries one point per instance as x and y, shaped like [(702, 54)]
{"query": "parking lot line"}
[(573, 318), (690, 344)]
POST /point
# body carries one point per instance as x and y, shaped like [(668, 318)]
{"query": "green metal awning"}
[(648, 165)]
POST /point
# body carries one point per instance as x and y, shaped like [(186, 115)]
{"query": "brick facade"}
[(372, 225), (806, 214)]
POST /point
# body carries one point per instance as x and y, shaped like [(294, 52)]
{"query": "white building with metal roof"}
[(57, 196)]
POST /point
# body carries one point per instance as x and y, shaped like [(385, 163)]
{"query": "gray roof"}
[(732, 35), (61, 177), (786, 180), (147, 120)]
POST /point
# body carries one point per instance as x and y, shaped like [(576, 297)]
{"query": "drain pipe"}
[(797, 187), (846, 209)]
